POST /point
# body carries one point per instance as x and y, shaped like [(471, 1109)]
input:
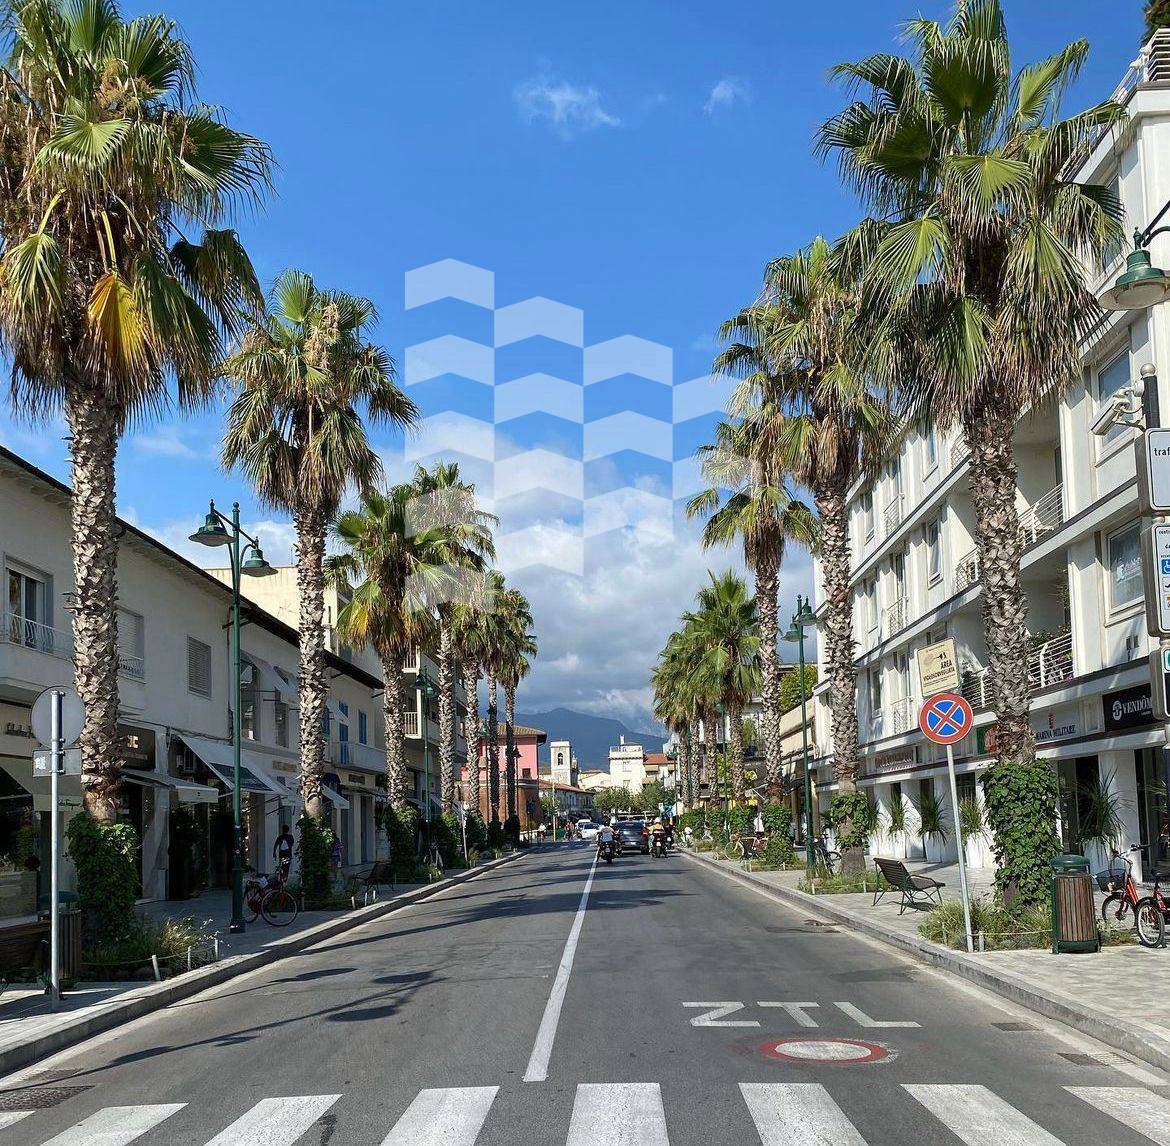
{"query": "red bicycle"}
[(266, 895), (1149, 911)]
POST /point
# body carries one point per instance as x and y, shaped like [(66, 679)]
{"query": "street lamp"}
[(1141, 285), (726, 801), (425, 687), (247, 561), (801, 619)]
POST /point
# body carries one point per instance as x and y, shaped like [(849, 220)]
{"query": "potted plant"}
[(972, 822), (1099, 814), (897, 821), (932, 822)]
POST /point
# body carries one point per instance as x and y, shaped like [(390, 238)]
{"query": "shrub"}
[(24, 845), (694, 819), (402, 834), (825, 882), (777, 819), (1021, 812), (1004, 929), (106, 859), (129, 957), (315, 852), (1157, 15), (851, 817), (495, 835), (790, 686), (742, 820), (933, 822), (476, 832), (447, 834), (778, 853), (512, 830)]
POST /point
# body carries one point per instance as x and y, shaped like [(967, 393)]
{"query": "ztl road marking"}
[(715, 1015)]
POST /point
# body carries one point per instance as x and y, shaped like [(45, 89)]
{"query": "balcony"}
[(349, 754), (892, 518), (1050, 662), (895, 616), (20, 632), (968, 570), (901, 716), (410, 725), (1045, 517)]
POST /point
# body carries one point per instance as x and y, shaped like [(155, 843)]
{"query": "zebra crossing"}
[(622, 1114)]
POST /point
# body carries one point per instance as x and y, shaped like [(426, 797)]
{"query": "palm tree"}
[(306, 377), (760, 512), (517, 645), (394, 571), (448, 502), (108, 163), (726, 639), (674, 708), (807, 388), (980, 261), (469, 645)]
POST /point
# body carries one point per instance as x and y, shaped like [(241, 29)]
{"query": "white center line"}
[(545, 1037)]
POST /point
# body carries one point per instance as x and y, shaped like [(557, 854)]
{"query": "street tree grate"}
[(1106, 1058), (1015, 1026), (38, 1097)]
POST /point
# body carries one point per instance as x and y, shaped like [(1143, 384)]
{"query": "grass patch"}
[(1003, 929), (824, 882)]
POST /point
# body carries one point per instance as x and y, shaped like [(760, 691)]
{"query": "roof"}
[(657, 759), (249, 610), (519, 730)]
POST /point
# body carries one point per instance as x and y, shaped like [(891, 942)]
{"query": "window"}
[(929, 451), (898, 567), (526, 773), (280, 720), (867, 513), (933, 553), (1111, 379), (198, 667), (130, 643), (249, 701), (1125, 566), (875, 691), (28, 610), (871, 605), (343, 707), (363, 728)]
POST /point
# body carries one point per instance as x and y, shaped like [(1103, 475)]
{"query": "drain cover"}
[(1015, 1026), (38, 1097), (1106, 1058)]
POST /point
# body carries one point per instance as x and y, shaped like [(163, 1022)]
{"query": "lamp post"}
[(721, 764), (800, 619), (487, 759), (425, 688), (246, 561)]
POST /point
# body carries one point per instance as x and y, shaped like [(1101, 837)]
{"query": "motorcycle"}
[(607, 851), (658, 846)]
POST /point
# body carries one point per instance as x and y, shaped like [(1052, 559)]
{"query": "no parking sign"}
[(945, 718)]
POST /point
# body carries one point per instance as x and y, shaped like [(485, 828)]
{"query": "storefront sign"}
[(288, 767), (136, 746), (1059, 724), (938, 668), (895, 760), (1127, 708), (356, 779)]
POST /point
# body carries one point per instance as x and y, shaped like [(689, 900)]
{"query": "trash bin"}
[(1074, 911)]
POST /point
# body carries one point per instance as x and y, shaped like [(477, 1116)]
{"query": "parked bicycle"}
[(1148, 911), (266, 895), (826, 856)]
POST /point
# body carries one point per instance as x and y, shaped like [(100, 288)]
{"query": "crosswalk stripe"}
[(115, 1125), (9, 1117), (798, 1112), (445, 1116), (1133, 1106), (275, 1121), (618, 1114), (979, 1117)]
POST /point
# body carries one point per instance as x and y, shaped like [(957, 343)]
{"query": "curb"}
[(141, 1001), (1147, 1045)]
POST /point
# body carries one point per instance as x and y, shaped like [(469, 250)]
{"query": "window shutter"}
[(198, 667)]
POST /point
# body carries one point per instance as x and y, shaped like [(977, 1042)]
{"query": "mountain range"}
[(591, 736)]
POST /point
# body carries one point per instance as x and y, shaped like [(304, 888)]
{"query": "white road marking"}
[(863, 1020), (448, 1116), (824, 1050), (10, 1117), (980, 1118), (798, 1112), (115, 1125), (545, 1037), (714, 1016), (796, 1011), (276, 1121), (1132, 1106), (618, 1114)]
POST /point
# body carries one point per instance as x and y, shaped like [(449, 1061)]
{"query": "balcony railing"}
[(901, 716), (968, 570), (18, 630), (1042, 518), (959, 452), (410, 725), (893, 514), (895, 616), (1050, 662)]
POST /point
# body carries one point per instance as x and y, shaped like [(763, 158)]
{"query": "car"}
[(587, 830), (634, 835)]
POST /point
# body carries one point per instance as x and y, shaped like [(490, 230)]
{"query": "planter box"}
[(18, 893)]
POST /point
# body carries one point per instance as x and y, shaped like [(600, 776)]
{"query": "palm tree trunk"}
[(93, 428), (314, 685), (1005, 607), (767, 568), (446, 715), (474, 794), (735, 747), (393, 698), (509, 746), (493, 751), (839, 647)]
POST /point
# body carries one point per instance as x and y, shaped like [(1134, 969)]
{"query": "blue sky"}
[(640, 161)]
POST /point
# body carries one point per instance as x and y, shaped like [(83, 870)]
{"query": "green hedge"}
[(106, 859), (315, 852), (402, 834), (1021, 803)]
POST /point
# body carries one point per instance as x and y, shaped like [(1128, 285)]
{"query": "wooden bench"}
[(23, 945), (915, 889)]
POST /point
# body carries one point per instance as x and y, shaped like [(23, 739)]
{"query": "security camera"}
[(1113, 410), (1123, 409)]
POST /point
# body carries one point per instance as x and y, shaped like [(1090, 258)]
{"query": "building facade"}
[(627, 766), (916, 573), (562, 762)]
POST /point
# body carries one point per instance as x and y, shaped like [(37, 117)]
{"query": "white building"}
[(627, 766), (916, 576), (175, 701), (562, 762), (594, 779)]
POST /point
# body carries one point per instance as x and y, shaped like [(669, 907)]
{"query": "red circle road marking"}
[(824, 1050)]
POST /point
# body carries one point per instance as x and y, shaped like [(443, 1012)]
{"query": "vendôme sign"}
[(1127, 708)]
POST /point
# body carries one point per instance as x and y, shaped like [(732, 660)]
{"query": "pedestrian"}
[(282, 851), (336, 856), (541, 831)]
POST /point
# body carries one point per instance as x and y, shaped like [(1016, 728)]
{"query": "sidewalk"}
[(30, 1031), (1117, 995)]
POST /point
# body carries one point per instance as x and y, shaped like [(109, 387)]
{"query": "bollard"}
[(188, 958), (982, 941), (157, 971), (215, 944)]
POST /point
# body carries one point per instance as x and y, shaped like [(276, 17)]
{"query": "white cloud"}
[(569, 108), (728, 91), (168, 441)]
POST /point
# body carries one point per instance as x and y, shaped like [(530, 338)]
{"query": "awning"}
[(189, 792), (273, 680), (291, 792), (217, 755)]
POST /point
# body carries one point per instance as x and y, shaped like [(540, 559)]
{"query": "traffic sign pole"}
[(55, 748), (946, 719)]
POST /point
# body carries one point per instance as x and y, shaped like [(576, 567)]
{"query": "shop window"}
[(1125, 566)]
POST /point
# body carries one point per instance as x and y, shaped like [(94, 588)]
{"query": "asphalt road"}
[(691, 1011)]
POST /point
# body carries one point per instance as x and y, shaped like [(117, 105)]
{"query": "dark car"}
[(634, 835)]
